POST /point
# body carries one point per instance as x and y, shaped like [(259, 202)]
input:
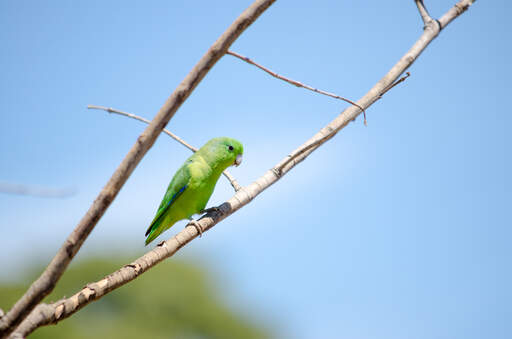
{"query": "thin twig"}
[(46, 314), (48, 279), (315, 143), (136, 117), (36, 191), (295, 82), (402, 79), (228, 175), (427, 19)]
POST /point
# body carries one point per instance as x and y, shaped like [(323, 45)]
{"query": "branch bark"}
[(229, 176), (46, 282), (46, 314)]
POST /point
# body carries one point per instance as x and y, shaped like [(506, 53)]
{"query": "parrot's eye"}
[(230, 147)]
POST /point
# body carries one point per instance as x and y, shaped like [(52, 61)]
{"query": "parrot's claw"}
[(211, 209), (197, 227)]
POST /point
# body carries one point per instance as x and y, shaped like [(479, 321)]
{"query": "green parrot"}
[(193, 184)]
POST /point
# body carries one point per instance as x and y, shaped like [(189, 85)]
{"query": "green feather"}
[(193, 184)]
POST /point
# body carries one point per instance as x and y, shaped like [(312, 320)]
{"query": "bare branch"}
[(228, 175), (46, 314), (36, 191), (307, 146), (459, 8), (296, 83), (46, 282), (402, 79), (136, 117), (427, 19)]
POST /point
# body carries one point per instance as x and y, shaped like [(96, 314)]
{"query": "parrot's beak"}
[(238, 160)]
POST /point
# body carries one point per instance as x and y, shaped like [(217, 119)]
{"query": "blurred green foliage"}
[(173, 300)]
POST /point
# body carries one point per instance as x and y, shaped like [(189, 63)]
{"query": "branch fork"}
[(428, 21), (295, 82)]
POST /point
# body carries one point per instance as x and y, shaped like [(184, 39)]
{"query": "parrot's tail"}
[(152, 236), (154, 230)]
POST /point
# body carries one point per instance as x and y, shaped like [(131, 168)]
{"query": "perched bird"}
[(193, 184)]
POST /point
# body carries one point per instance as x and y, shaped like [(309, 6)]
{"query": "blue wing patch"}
[(175, 196), (162, 210)]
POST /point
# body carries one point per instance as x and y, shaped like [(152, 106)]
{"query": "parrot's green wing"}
[(177, 186)]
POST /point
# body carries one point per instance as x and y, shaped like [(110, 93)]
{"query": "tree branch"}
[(46, 314), (46, 282), (36, 191), (376, 92), (296, 83), (228, 175), (427, 19), (136, 117), (402, 79)]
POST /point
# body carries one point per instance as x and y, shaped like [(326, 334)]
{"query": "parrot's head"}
[(224, 151)]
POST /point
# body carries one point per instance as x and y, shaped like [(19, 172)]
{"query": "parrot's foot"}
[(211, 209), (197, 226)]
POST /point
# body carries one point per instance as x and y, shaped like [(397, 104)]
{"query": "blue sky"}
[(396, 230)]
